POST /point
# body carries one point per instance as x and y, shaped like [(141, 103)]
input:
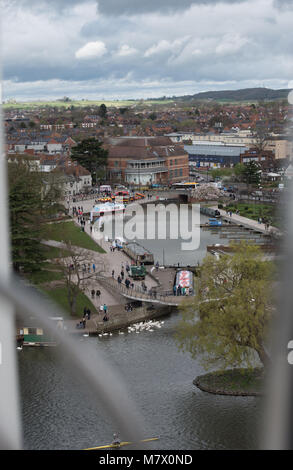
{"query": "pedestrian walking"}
[(94, 267), (105, 308), (113, 272), (93, 293)]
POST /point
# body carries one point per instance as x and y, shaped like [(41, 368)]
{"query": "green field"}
[(51, 252), (69, 232), (83, 104), (59, 295), (45, 275)]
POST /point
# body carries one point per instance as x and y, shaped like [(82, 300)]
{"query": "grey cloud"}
[(283, 4), (48, 53), (120, 7), (56, 5)]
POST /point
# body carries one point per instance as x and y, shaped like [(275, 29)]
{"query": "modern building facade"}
[(202, 155)]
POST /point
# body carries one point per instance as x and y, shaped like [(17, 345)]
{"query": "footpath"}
[(115, 302), (238, 219)]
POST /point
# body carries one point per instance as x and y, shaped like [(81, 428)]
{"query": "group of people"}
[(114, 247), (104, 310), (95, 293), (77, 211), (81, 221), (86, 316), (179, 290)]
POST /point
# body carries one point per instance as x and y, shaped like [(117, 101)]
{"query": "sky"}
[(123, 49)]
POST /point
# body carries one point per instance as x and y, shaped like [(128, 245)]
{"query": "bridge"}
[(137, 293)]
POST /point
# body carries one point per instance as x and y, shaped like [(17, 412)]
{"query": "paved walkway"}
[(238, 219), (113, 260)]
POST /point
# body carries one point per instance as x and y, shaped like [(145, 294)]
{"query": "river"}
[(58, 413)]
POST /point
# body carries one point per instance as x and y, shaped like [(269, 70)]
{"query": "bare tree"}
[(77, 269), (261, 135)]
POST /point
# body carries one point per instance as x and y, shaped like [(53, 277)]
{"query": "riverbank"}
[(119, 319), (232, 382)]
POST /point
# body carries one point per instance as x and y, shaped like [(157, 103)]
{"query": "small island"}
[(236, 382)]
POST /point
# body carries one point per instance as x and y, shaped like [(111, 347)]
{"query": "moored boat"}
[(106, 208)]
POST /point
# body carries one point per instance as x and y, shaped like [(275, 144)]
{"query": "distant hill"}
[(246, 94)]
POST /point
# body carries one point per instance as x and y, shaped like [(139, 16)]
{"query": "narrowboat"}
[(184, 283), (36, 336), (138, 253)]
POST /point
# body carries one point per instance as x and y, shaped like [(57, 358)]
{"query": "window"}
[(32, 331)]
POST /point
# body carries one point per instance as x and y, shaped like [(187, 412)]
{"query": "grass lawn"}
[(231, 381), (59, 295), (49, 272), (68, 231), (254, 211), (51, 252)]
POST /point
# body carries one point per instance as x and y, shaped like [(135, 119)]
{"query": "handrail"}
[(166, 297)]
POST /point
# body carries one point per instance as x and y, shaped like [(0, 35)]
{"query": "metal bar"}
[(277, 432), (10, 427)]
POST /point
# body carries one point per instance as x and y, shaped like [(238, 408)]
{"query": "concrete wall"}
[(126, 319)]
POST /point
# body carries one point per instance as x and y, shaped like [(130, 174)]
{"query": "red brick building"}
[(146, 160)]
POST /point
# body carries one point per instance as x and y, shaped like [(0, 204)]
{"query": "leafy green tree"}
[(90, 154), (238, 170), (153, 116), (226, 322), (102, 111), (251, 174), (25, 193)]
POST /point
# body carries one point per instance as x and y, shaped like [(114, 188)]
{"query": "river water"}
[(58, 413)]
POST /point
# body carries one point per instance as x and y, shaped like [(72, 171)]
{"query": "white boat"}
[(106, 208)]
